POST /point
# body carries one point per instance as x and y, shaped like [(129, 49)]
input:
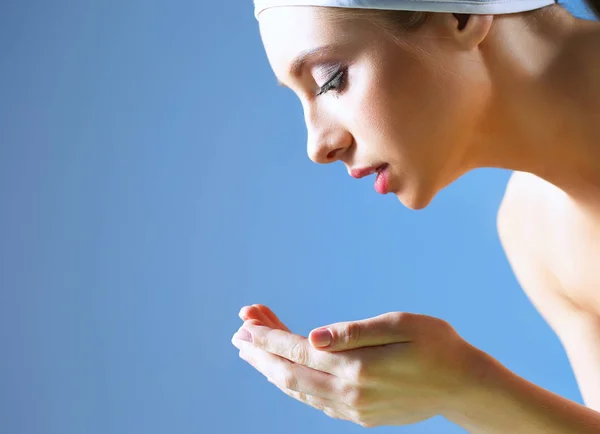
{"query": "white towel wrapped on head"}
[(482, 7)]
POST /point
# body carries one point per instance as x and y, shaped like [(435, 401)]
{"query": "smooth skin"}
[(520, 92)]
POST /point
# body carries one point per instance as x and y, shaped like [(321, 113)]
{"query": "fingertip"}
[(321, 338), (243, 313)]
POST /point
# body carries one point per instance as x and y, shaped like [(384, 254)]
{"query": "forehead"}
[(287, 31), (293, 23)]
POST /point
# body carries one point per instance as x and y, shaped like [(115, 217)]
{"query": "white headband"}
[(484, 7)]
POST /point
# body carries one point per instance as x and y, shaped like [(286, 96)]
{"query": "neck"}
[(545, 115)]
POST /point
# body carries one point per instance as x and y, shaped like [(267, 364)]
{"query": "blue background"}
[(154, 180)]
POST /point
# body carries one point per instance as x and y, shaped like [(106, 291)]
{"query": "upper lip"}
[(366, 171)]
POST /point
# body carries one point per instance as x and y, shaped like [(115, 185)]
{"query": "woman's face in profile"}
[(409, 107)]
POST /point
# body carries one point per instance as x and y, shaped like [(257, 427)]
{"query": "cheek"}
[(435, 112), (378, 108), (419, 118), (415, 113), (399, 108)]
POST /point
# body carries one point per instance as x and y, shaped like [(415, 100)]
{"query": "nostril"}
[(332, 155)]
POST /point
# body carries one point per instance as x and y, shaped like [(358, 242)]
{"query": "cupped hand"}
[(394, 369)]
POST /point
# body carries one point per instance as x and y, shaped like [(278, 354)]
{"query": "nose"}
[(327, 140)]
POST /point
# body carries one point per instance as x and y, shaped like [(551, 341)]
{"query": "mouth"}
[(382, 179)]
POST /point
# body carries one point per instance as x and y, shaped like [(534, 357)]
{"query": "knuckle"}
[(444, 325), (352, 333), (289, 381), (302, 397), (398, 319), (440, 329), (299, 353)]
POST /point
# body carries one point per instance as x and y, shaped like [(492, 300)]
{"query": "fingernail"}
[(244, 335), (322, 338)]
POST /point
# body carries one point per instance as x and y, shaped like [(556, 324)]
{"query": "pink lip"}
[(361, 173), (382, 182)]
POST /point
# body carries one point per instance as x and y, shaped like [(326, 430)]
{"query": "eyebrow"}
[(307, 56)]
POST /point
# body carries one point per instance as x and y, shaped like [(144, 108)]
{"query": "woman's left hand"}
[(394, 369)]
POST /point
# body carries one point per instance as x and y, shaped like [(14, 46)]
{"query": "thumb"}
[(389, 328)]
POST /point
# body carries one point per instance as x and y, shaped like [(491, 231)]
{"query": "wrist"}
[(483, 378), (496, 400)]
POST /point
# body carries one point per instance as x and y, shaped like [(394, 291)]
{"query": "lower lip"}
[(382, 181)]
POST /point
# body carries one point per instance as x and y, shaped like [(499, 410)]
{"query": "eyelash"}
[(337, 83)]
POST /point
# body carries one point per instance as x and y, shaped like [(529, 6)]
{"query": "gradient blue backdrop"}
[(154, 180)]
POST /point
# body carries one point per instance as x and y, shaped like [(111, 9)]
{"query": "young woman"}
[(420, 92)]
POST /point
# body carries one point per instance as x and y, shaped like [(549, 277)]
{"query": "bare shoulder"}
[(513, 208), (527, 221), (523, 213), (552, 248)]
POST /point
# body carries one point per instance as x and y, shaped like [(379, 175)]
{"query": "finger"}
[(271, 315), (294, 348), (336, 415), (318, 403), (389, 328), (329, 407), (314, 401), (256, 323), (253, 312), (288, 375), (333, 409), (262, 312)]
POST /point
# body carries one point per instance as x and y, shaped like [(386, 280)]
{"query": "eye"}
[(335, 83)]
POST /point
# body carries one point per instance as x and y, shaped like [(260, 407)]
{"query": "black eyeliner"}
[(334, 83)]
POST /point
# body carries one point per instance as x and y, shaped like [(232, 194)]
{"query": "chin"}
[(415, 201)]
